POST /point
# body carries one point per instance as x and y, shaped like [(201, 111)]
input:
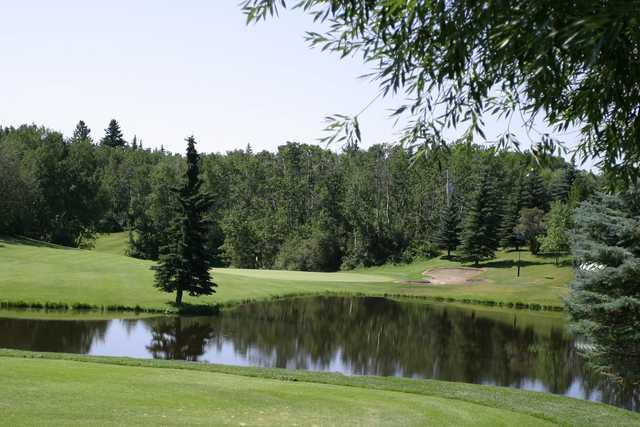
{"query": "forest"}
[(303, 207)]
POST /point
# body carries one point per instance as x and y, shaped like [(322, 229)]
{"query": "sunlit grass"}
[(67, 388), (33, 272)]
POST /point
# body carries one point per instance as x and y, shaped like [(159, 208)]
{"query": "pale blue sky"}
[(167, 69)]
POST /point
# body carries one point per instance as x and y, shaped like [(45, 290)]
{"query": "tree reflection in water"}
[(377, 336), (372, 336), (68, 336), (179, 338)]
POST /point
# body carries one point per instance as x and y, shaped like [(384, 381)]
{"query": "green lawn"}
[(70, 389), (113, 243), (33, 272)]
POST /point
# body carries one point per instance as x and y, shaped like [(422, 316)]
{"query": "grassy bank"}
[(112, 243), (66, 388), (42, 275)]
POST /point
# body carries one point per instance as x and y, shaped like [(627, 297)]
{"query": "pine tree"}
[(81, 132), (449, 233), (604, 300), (185, 262), (535, 191), (480, 228), (561, 185), (509, 236), (558, 223), (113, 135)]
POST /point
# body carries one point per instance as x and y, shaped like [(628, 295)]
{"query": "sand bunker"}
[(450, 276)]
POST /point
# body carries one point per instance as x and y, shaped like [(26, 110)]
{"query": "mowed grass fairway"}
[(113, 243), (133, 395), (34, 272), (69, 390)]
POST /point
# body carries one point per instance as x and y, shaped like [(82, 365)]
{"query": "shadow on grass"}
[(452, 258), (26, 241), (510, 263), (563, 260)]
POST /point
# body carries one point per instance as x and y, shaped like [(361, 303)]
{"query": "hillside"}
[(43, 273)]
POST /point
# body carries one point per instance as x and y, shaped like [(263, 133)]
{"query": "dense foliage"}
[(481, 225), (186, 258), (605, 298), (302, 207), (458, 62), (558, 224)]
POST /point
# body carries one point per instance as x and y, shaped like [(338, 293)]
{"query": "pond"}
[(364, 336)]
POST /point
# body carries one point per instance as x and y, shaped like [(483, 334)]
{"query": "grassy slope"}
[(113, 243), (65, 388), (35, 272)]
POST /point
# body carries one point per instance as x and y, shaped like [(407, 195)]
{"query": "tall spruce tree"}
[(561, 185), (536, 195), (113, 135), (510, 237), (604, 300), (481, 225), (449, 233), (81, 132), (185, 262)]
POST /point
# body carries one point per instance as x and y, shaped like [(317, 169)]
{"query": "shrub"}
[(316, 253)]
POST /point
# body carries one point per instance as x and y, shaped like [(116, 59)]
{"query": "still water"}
[(365, 336)]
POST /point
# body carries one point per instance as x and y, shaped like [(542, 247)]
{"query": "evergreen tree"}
[(481, 225), (561, 185), (535, 191), (185, 262), (558, 223), (81, 132), (509, 235), (604, 300), (449, 233), (113, 135), (582, 187)]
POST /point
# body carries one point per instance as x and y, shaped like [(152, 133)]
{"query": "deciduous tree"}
[(558, 223)]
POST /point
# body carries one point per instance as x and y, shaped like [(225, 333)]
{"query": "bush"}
[(316, 253), (418, 249)]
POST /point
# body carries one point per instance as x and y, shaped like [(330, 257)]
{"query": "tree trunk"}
[(179, 296), (449, 253)]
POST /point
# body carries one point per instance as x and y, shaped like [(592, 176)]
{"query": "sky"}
[(166, 70)]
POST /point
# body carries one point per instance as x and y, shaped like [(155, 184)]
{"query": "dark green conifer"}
[(185, 262), (509, 235), (481, 224), (561, 185), (535, 191), (449, 233), (81, 132), (604, 300), (113, 135)]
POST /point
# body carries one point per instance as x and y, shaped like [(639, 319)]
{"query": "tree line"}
[(302, 207)]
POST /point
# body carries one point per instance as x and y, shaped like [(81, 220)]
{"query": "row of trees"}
[(458, 63), (302, 207)]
